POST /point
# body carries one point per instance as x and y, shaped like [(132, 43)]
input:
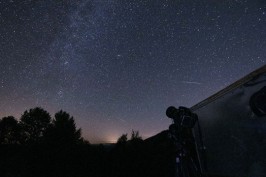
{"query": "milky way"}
[(116, 65)]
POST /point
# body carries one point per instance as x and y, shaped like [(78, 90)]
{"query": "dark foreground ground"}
[(154, 157), (125, 159)]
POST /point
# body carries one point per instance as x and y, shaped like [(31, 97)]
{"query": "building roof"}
[(229, 88)]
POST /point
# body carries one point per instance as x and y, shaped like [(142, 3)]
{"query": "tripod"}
[(186, 151), (187, 163)]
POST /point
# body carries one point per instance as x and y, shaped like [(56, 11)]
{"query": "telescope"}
[(181, 132), (182, 116)]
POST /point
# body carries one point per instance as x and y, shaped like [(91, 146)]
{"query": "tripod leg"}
[(178, 167)]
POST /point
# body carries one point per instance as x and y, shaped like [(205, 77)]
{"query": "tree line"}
[(38, 145), (36, 126)]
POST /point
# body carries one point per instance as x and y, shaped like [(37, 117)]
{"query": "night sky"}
[(116, 65)]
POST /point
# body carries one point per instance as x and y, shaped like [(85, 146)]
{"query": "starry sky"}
[(116, 65)]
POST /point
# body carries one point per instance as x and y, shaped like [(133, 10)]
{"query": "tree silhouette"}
[(122, 139), (63, 130), (135, 137), (9, 130), (35, 123)]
